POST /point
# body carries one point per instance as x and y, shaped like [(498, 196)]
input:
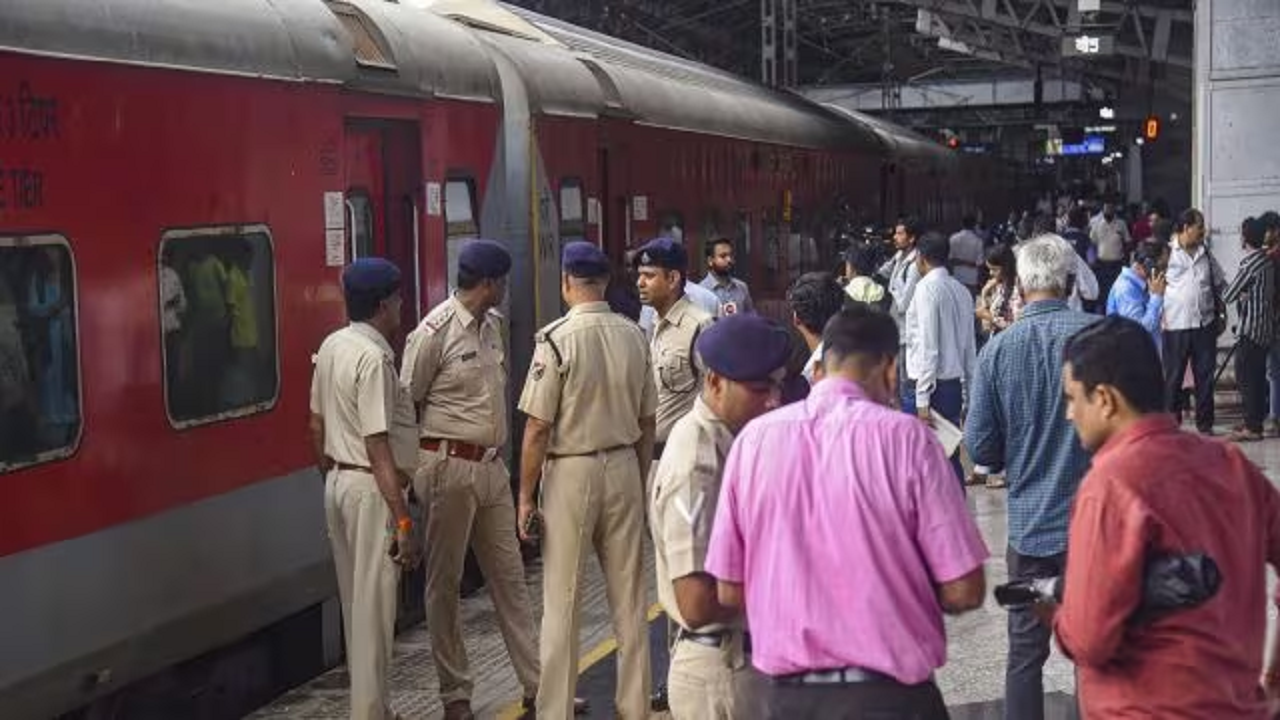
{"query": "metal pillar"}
[(769, 42), (790, 57)]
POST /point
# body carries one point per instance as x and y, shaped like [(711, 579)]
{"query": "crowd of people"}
[(806, 501)]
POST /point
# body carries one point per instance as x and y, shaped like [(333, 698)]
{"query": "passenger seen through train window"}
[(218, 324), (39, 378)]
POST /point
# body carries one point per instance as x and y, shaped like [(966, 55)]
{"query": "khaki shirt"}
[(455, 367), (355, 389), (676, 370), (591, 379), (682, 502)]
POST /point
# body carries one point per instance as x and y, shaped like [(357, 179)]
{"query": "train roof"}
[(412, 51), (663, 90), (361, 43), (293, 39), (903, 143)]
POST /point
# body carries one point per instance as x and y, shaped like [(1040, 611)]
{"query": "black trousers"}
[(863, 701), (1201, 348), (1251, 376)]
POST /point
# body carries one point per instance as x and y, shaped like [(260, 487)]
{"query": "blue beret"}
[(744, 347), (663, 252), (484, 258), (369, 274), (584, 259)]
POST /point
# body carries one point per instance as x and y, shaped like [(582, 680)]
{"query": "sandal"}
[(996, 482), (975, 479), (1244, 436)]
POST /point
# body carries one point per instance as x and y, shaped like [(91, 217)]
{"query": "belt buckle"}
[(489, 455)]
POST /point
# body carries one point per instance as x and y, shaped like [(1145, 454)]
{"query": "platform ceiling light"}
[(1139, 141), (1107, 113)]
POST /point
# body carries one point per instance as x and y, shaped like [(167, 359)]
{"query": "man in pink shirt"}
[(842, 530)]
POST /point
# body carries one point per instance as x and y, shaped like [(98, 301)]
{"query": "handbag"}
[(1219, 307)]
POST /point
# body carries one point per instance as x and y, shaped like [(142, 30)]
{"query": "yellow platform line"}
[(593, 656)]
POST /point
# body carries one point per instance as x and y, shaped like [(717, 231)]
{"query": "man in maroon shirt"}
[(1155, 490)]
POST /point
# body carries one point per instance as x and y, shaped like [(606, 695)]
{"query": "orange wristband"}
[(404, 524)]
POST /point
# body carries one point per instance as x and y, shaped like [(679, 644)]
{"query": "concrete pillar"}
[(1133, 173), (1236, 170)]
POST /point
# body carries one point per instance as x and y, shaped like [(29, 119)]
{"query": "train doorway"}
[(384, 172)]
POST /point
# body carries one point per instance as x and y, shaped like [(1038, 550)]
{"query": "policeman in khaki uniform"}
[(590, 401), (364, 436), (661, 265), (710, 676), (455, 366)]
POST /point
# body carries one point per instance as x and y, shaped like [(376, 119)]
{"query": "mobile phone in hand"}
[(534, 525)]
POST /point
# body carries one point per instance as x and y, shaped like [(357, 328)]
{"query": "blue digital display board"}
[(1092, 145)]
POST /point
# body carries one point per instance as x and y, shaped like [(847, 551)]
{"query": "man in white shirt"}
[(941, 348), (1193, 282), (902, 274), (1110, 236), (967, 254)]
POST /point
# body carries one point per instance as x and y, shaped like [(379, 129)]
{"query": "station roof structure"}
[(1126, 44)]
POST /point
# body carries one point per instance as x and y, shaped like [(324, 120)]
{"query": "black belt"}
[(605, 451), (353, 468), (713, 639), (841, 676)]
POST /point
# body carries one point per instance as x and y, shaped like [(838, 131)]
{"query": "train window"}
[(460, 218), (573, 225), (671, 224), (39, 356), (218, 320)]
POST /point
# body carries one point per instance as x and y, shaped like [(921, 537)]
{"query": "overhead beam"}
[(989, 13)]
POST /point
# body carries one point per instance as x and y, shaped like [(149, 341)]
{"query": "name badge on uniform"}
[(469, 356)]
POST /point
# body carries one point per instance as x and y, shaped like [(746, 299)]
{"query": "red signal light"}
[(953, 142)]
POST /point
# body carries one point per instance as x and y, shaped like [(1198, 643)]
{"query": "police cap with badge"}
[(485, 259), (745, 348), (662, 252)]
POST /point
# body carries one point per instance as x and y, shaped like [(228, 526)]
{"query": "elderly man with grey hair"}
[(1017, 422)]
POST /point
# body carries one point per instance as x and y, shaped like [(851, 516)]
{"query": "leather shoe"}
[(658, 701), (530, 708), (458, 710)]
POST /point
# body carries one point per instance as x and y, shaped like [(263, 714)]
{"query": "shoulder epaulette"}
[(544, 335)]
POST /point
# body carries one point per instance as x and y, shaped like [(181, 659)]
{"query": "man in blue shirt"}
[(1138, 294), (1017, 422)]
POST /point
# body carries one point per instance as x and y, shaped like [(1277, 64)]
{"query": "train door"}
[(383, 173)]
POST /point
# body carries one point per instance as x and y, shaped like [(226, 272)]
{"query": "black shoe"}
[(658, 700), (529, 708)]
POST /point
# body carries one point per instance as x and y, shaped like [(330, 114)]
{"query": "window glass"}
[(360, 217), (459, 210), (460, 222), (39, 359), (218, 318), (572, 217)]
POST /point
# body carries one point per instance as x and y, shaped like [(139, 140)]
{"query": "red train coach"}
[(181, 184)]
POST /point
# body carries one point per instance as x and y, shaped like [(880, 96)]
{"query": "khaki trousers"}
[(472, 501), (707, 683), (360, 531), (593, 501)]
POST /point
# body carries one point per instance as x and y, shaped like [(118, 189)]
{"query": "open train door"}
[(383, 173)]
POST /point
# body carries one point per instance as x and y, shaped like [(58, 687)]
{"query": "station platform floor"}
[(972, 680)]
